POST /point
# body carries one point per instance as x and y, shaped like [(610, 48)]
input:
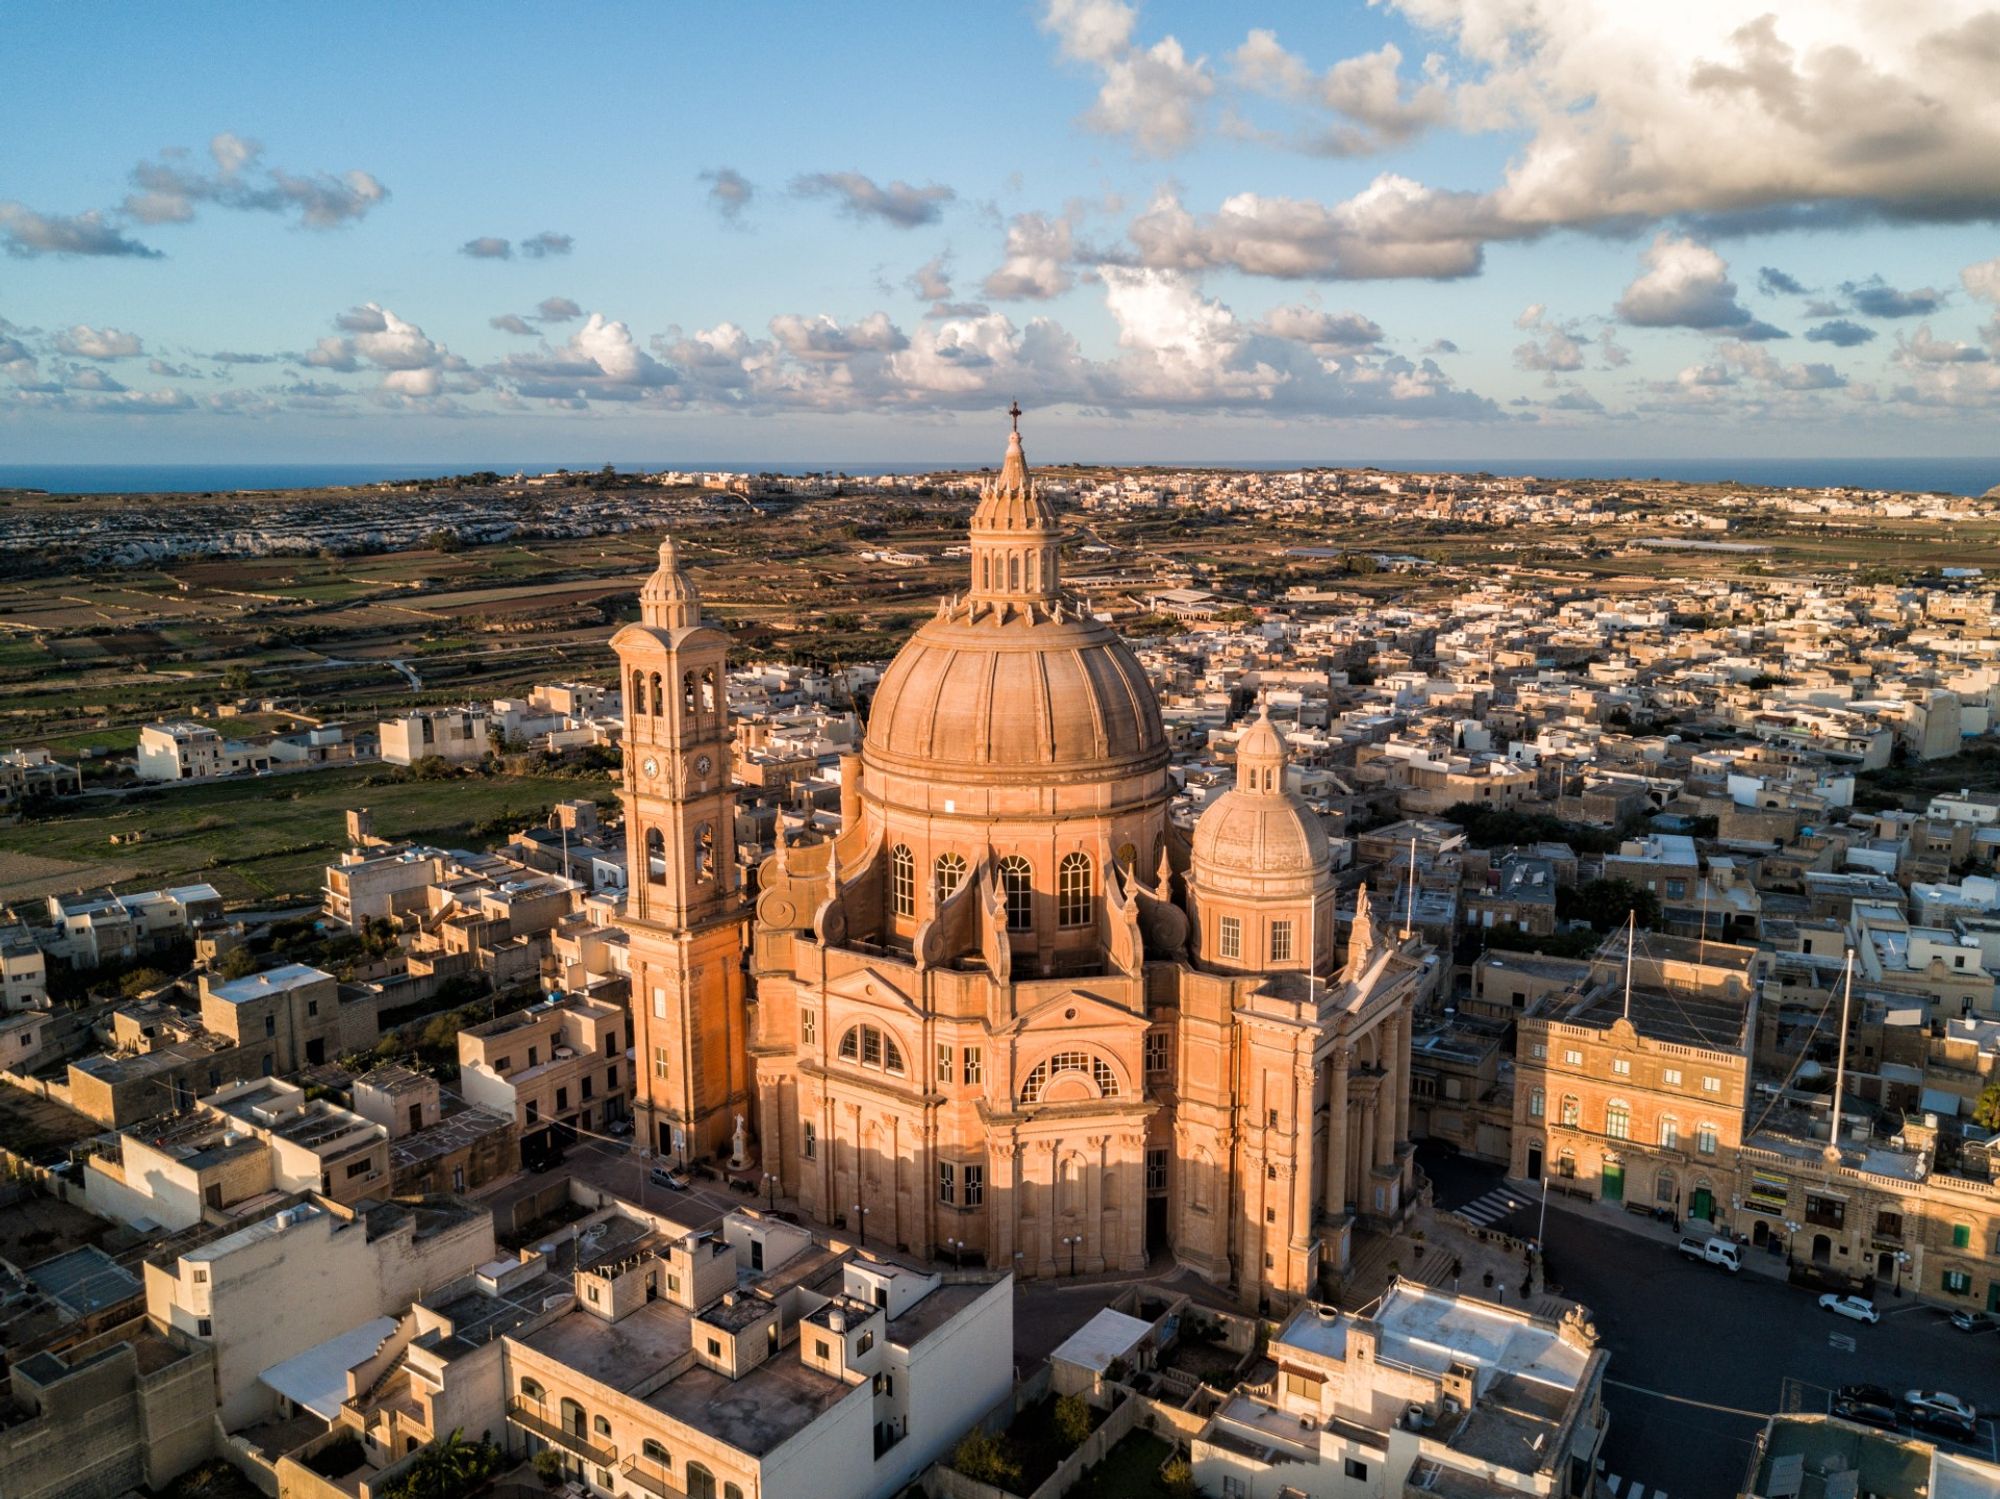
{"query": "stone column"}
[(1301, 1177), (1336, 1131), (1092, 1258), (1003, 1204), (1047, 1248), (1364, 1197), (1385, 1099), (1403, 1028)]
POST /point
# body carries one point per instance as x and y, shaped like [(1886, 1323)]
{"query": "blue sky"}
[(1462, 228)]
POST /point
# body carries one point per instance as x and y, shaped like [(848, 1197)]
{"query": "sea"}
[(1960, 476)]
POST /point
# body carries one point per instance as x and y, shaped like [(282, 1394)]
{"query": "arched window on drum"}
[(902, 880)]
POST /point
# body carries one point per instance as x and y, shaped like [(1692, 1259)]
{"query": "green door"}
[(1703, 1206), (1993, 1297), (1614, 1182)]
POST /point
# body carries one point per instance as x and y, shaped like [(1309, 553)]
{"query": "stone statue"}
[(739, 1146)]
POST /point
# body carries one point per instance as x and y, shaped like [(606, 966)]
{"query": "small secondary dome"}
[(1260, 840)]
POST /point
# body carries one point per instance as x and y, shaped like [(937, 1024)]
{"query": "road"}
[(1701, 1358)]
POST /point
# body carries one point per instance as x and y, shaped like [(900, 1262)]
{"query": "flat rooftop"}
[(272, 981), (622, 1354), (1678, 1016), (1814, 1457), (759, 1412)]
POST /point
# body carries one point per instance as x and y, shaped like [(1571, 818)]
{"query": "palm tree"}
[(449, 1469)]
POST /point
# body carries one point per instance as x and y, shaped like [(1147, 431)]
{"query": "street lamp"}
[(1896, 1281), (957, 1247), (1791, 1230), (861, 1222), (771, 1189), (1072, 1240)]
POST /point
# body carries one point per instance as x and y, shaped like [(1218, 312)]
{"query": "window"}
[(562, 1100), (205, 1327), (975, 1186), (975, 1070), (1159, 1051), (587, 1089), (659, 1003), (715, 1348), (601, 1426), (822, 1349), (1281, 942), (312, 1008), (656, 856), (1537, 1104), (1957, 1283), (1156, 1171), (532, 1390), (611, 1078), (1356, 1468), (1704, 1138), (200, 1277), (1572, 1058), (808, 1026), (653, 1452), (1539, 1051), (945, 1053), (1229, 937), (1270, 1215), (1671, 1077), (361, 1167), (270, 1025), (872, 1048), (1711, 1085), (534, 1111), (809, 1139), (1302, 1386), (865, 1342), (1622, 1066), (903, 880), (1618, 1121), (947, 1182), (1670, 1132), (1073, 890), (948, 873), (659, 1061), (1017, 884), (1095, 1067), (1961, 1236), (1571, 1110)]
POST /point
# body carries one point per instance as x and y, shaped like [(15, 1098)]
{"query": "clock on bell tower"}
[(684, 911)]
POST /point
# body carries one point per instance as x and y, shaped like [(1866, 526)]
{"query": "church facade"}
[(1010, 1014)]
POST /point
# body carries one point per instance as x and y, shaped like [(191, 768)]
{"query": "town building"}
[(553, 1069), (458, 736), (1423, 1392)]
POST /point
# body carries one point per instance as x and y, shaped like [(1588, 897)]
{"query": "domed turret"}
[(1261, 868)]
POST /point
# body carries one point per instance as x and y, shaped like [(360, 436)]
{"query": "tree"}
[(237, 678), (1073, 1419), (1986, 1108), (448, 1469), (1606, 903), (1177, 1478), (238, 962), (139, 980), (983, 1456)]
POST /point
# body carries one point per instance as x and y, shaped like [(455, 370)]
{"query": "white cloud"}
[(169, 190), (557, 310), (85, 342), (1983, 279), (1321, 329), (1922, 348), (932, 279), (1154, 96), (1367, 94), (729, 192), (547, 243), (1036, 266), (487, 247), (1686, 285), (25, 232), (821, 337), (861, 198), (1389, 230)]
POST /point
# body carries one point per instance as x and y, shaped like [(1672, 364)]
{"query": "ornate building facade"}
[(1009, 1014)]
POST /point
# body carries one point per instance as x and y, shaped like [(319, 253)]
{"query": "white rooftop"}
[(317, 1378), (1107, 1336), (271, 981)]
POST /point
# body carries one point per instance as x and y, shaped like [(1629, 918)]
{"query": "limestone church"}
[(1009, 1013)]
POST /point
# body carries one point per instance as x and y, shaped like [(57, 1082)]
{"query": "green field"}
[(268, 839)]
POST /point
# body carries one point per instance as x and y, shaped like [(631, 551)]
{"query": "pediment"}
[(1090, 1009), (869, 985)]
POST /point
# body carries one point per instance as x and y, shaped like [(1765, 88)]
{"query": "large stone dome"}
[(1013, 682), (980, 697)]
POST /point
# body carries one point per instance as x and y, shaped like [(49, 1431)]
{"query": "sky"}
[(500, 233)]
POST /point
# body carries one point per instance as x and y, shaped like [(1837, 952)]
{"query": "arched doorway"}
[(1822, 1250), (1760, 1233), (1534, 1163)]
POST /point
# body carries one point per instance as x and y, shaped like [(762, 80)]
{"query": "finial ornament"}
[(1015, 412)]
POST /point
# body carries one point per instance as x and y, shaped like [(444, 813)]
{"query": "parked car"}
[(671, 1178), (1714, 1251), (1860, 1308), (1938, 1410), (1971, 1321), (1869, 1404)]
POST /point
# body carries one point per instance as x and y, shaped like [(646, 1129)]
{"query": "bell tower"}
[(684, 911)]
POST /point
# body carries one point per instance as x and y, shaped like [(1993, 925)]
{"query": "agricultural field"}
[(264, 840)]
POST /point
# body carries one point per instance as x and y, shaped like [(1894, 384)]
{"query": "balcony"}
[(644, 1473), (532, 1417)]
